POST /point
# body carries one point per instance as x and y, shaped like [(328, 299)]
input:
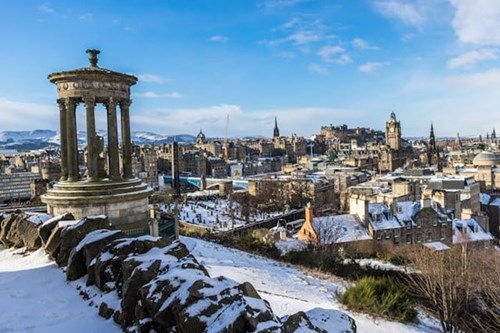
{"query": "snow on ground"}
[(35, 297), (219, 214), (287, 289)]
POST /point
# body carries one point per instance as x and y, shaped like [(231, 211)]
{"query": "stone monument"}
[(116, 194)]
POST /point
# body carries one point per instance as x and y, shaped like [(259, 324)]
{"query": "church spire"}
[(276, 132)]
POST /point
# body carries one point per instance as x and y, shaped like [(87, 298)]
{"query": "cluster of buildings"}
[(383, 188)]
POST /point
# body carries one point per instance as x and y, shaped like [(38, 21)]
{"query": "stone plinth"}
[(124, 202)]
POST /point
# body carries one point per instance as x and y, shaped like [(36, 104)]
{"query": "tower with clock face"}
[(393, 133)]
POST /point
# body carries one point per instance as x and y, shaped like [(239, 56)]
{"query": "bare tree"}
[(458, 286)]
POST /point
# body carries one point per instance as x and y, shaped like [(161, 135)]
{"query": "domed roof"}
[(486, 158)]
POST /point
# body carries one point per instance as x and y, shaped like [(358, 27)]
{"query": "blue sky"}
[(308, 62)]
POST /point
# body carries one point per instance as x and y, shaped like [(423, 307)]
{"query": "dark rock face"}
[(20, 230), (82, 255), (45, 230), (5, 227), (53, 243), (73, 234), (299, 321), (107, 266), (25, 233)]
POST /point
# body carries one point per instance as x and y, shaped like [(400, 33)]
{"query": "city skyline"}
[(309, 63)]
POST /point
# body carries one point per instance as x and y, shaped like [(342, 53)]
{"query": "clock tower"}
[(393, 133)]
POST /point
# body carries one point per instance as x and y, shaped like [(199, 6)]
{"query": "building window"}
[(419, 237), (408, 238), (429, 236)]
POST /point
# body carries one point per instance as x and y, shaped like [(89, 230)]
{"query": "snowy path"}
[(35, 298), (287, 289)]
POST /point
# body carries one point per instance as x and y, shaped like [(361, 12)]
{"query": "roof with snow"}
[(469, 230), (339, 229), (438, 246), (381, 217)]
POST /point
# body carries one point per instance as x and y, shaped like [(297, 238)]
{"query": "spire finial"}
[(93, 56)]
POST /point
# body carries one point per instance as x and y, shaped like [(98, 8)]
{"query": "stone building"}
[(391, 154), (15, 185)]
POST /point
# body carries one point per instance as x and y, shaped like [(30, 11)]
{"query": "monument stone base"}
[(124, 202)]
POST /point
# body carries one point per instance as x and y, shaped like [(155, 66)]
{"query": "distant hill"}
[(41, 138)]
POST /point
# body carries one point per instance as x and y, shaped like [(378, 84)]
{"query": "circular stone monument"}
[(115, 193)]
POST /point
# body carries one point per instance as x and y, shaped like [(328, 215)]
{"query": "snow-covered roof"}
[(469, 230), (339, 229), (406, 210), (484, 198), (438, 246), (381, 217), (495, 202)]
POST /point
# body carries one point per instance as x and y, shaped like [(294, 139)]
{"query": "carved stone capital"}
[(89, 101), (125, 103)]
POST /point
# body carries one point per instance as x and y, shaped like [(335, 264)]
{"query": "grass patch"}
[(380, 297)]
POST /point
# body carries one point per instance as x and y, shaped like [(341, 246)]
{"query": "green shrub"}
[(380, 297)]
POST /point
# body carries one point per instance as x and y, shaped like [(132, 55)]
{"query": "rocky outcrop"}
[(149, 284), (45, 229), (21, 230), (73, 234), (82, 255)]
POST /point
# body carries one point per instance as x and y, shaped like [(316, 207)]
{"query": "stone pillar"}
[(63, 139), (126, 138), (71, 140), (113, 155), (92, 170)]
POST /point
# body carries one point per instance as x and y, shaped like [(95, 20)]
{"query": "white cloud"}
[(27, 116), (371, 67), (152, 94), (317, 69), (477, 21), (86, 16), (334, 54), (362, 44), (45, 8), (242, 122), (304, 37), (151, 78), (275, 4), (409, 13), (219, 39), (299, 31), (470, 58), (487, 79)]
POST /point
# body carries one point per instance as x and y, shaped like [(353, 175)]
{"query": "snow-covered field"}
[(35, 297), (289, 290), (216, 214)]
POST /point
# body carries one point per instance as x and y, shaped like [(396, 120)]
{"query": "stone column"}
[(92, 171), (113, 156), (71, 140), (126, 138), (63, 139)]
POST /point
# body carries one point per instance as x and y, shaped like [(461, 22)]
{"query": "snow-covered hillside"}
[(287, 289), (37, 298), (36, 139)]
